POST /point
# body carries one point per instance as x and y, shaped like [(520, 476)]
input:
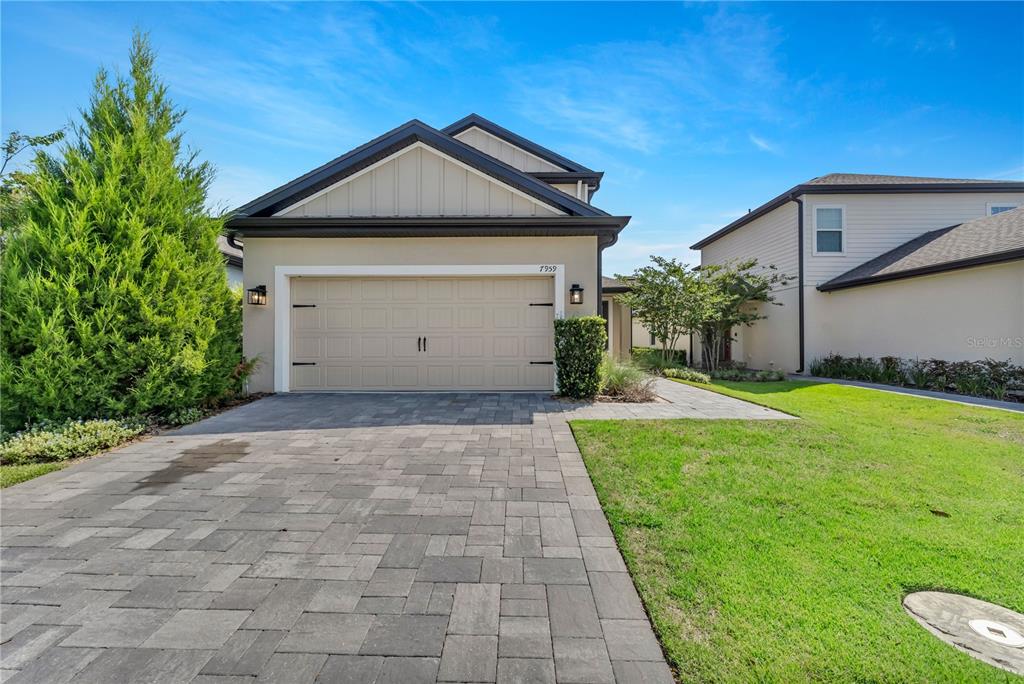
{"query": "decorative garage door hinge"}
[(542, 363), (542, 303), (303, 363), (303, 306)]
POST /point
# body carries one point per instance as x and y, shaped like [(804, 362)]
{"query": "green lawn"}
[(780, 551), (13, 474)]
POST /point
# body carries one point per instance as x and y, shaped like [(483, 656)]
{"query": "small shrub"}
[(579, 347), (47, 441), (741, 374), (651, 358), (184, 416), (687, 374), (625, 381)]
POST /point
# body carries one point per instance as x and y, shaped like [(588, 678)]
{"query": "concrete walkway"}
[(330, 538)]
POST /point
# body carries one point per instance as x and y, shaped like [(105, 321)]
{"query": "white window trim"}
[(990, 205), (814, 231), (281, 296)]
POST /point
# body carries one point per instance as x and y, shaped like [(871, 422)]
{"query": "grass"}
[(13, 474), (780, 551)]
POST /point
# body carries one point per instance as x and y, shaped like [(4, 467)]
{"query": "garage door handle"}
[(303, 363), (542, 363), (424, 344), (419, 344), (303, 306), (542, 304)]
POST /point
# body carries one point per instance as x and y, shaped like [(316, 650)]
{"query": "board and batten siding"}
[(772, 239), (418, 181), (511, 154), (877, 223)]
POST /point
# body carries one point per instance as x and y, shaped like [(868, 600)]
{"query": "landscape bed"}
[(781, 551)]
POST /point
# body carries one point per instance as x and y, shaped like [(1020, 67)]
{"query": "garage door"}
[(492, 333)]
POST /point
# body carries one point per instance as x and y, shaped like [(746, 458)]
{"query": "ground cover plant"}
[(779, 551), (1001, 380)]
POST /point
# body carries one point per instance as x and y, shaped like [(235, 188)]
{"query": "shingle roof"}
[(987, 240), (862, 183), (878, 179), (613, 284)]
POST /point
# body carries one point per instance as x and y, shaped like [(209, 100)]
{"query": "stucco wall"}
[(577, 254), (960, 315)]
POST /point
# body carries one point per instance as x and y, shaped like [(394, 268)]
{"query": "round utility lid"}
[(980, 629)]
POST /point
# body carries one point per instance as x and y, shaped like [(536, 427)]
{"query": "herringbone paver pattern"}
[(331, 538)]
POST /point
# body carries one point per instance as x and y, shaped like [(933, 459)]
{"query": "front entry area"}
[(422, 333)]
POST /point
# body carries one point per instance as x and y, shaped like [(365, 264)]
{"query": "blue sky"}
[(696, 112)]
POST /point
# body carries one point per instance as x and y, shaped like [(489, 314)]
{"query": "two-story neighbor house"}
[(425, 259), (884, 265)]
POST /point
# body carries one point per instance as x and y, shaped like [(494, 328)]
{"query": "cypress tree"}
[(114, 294)]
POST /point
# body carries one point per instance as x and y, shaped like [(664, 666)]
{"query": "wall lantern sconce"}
[(257, 295), (575, 294)]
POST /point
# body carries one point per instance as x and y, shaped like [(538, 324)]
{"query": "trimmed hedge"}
[(989, 378), (744, 375), (687, 374), (651, 358), (579, 348)]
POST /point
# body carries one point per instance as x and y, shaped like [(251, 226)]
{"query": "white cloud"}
[(763, 145)]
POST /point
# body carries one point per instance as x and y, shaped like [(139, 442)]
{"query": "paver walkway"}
[(329, 538)]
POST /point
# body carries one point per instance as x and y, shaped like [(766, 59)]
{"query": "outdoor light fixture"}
[(575, 294), (257, 295)]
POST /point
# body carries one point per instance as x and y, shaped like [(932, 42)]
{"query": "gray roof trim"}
[(987, 259), (605, 228), (515, 139), (593, 180), (856, 189), (393, 141)]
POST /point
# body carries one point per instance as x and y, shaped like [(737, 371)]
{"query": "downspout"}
[(800, 277), (600, 250)]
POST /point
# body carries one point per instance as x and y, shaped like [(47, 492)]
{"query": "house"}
[(884, 266), (232, 254), (425, 259)]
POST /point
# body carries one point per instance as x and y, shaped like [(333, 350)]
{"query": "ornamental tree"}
[(115, 298)]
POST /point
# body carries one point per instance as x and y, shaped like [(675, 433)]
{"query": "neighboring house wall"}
[(772, 342), (577, 254), (878, 319), (234, 276), (504, 151), (968, 314), (419, 181)]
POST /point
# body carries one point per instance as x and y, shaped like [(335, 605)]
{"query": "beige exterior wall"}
[(507, 152), (619, 328), (577, 254), (877, 223), (419, 181), (968, 314), (772, 342), (927, 317)]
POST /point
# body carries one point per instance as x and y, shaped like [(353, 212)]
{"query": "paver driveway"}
[(332, 538)]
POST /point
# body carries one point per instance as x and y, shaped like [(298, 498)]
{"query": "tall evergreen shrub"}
[(579, 347), (114, 294)]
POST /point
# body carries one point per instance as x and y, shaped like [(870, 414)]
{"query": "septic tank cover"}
[(980, 629)]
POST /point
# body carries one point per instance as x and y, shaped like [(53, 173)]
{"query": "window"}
[(999, 207), (829, 222), (654, 342)]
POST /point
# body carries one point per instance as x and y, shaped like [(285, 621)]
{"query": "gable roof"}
[(988, 240), (858, 183), (475, 120), (389, 143)]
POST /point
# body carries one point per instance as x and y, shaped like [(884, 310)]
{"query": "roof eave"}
[(983, 260), (845, 189)]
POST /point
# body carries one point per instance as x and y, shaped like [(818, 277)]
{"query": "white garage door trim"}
[(282, 293)]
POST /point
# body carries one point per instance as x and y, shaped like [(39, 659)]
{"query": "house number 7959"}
[(548, 269)]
